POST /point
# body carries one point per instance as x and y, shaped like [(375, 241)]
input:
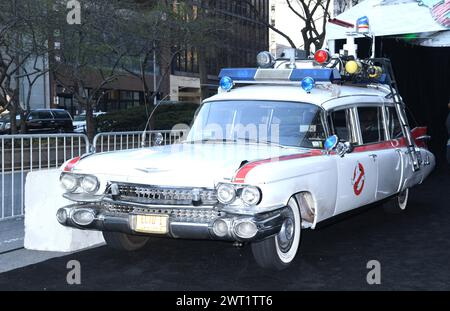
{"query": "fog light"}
[(69, 182), (245, 229), (83, 217), (61, 216), (220, 228), (89, 184), (226, 193)]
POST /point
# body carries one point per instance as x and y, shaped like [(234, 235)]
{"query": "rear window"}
[(393, 123), (371, 122), (59, 114), (41, 114)]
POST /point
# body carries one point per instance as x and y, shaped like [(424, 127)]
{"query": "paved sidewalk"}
[(11, 234), (24, 257), (12, 253)]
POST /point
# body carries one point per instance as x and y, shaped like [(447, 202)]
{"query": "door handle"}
[(373, 156)]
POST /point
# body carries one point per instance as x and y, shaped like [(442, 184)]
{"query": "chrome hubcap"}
[(286, 235)]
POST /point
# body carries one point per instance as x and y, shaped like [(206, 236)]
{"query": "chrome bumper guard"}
[(226, 227)]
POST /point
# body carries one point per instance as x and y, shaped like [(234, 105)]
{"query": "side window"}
[(393, 123), (371, 123), (340, 124)]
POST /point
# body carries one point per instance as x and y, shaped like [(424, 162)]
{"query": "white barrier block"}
[(43, 197)]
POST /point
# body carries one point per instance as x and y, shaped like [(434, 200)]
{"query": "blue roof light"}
[(239, 74), (226, 83), (308, 84), (318, 74)]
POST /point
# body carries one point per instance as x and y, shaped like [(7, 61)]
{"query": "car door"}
[(63, 121), (392, 158), (376, 144), (357, 170), (40, 120)]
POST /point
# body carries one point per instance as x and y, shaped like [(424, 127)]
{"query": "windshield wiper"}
[(210, 140), (265, 142), (247, 140)]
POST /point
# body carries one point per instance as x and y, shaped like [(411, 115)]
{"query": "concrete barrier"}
[(43, 197)]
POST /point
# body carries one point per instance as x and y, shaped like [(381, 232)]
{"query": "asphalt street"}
[(413, 249)]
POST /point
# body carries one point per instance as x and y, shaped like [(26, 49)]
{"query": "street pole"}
[(155, 101)]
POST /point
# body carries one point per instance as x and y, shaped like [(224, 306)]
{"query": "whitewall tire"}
[(279, 251)]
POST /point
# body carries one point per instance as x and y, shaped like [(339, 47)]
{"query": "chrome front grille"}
[(197, 215), (147, 194)]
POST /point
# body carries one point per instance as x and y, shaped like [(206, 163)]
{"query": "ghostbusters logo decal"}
[(358, 179)]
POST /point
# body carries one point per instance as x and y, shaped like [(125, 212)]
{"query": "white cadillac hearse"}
[(280, 149)]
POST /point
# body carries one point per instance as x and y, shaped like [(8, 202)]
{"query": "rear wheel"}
[(279, 251), (124, 242), (397, 204)]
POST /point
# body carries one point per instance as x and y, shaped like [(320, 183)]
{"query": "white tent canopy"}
[(389, 17)]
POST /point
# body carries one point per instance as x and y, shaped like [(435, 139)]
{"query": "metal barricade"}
[(21, 154), (112, 141)]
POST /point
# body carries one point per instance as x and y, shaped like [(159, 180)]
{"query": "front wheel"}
[(124, 242), (277, 252)]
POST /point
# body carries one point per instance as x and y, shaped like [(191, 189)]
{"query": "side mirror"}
[(158, 139), (341, 148)]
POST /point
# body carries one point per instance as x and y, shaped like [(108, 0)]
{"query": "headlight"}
[(69, 182), (7, 126), (89, 184), (226, 193), (250, 195), (2, 125)]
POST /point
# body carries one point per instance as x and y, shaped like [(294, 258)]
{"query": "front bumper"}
[(184, 223)]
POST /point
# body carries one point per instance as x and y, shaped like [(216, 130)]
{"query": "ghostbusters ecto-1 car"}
[(279, 149)]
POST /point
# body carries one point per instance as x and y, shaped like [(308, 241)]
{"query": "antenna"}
[(144, 133)]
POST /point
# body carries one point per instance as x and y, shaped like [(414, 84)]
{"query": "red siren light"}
[(321, 56)]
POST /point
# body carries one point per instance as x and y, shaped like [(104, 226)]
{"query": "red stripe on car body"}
[(244, 170), (391, 144)]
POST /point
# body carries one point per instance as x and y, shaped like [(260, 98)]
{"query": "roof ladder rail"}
[(400, 108)]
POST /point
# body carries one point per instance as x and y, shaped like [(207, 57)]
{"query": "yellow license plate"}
[(157, 224)]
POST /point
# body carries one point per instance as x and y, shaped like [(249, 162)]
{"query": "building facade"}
[(240, 48)]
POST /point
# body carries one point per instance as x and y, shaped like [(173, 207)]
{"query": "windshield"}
[(264, 122), (80, 117)]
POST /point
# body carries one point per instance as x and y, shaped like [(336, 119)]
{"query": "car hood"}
[(199, 165)]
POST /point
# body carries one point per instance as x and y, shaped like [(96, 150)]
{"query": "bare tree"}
[(23, 37), (313, 13), (90, 55)]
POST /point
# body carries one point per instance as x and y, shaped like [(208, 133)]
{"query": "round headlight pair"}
[(250, 195), (69, 182), (226, 193), (87, 183)]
